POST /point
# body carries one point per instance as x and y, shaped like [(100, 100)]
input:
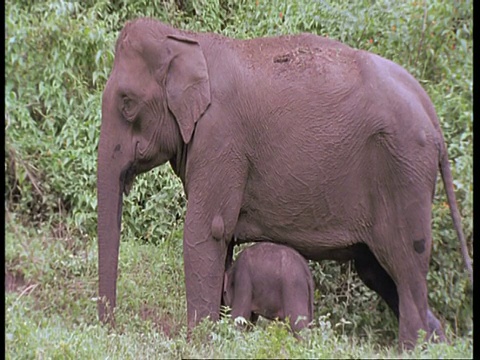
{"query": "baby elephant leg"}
[(297, 306), (242, 301)]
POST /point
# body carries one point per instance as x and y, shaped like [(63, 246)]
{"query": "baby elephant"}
[(271, 280)]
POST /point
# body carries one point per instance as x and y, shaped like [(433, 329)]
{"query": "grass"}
[(50, 309)]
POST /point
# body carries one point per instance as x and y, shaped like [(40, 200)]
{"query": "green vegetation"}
[(58, 56)]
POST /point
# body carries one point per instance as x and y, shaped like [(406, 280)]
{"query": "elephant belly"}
[(317, 220), (313, 243)]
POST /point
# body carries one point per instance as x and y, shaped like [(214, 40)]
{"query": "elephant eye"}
[(128, 109)]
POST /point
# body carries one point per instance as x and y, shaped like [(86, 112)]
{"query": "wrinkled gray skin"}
[(298, 139), (270, 280)]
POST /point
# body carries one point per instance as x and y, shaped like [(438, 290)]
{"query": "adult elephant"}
[(298, 139)]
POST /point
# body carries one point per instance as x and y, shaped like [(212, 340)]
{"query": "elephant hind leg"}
[(401, 239), (435, 329), (377, 279), (411, 284)]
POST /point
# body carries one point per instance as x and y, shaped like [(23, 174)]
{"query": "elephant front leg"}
[(204, 266), (213, 208), (205, 244)]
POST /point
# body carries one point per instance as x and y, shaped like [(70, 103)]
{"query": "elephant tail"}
[(455, 213)]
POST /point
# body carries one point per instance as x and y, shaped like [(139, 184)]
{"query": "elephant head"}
[(157, 90)]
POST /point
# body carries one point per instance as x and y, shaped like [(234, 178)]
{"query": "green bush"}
[(58, 55)]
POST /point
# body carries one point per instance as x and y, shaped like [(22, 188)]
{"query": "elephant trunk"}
[(111, 173)]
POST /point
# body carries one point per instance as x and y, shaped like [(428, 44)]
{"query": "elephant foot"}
[(435, 329)]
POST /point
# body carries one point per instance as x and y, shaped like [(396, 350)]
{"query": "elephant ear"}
[(187, 83)]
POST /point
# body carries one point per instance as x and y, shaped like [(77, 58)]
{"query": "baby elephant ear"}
[(187, 83)]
